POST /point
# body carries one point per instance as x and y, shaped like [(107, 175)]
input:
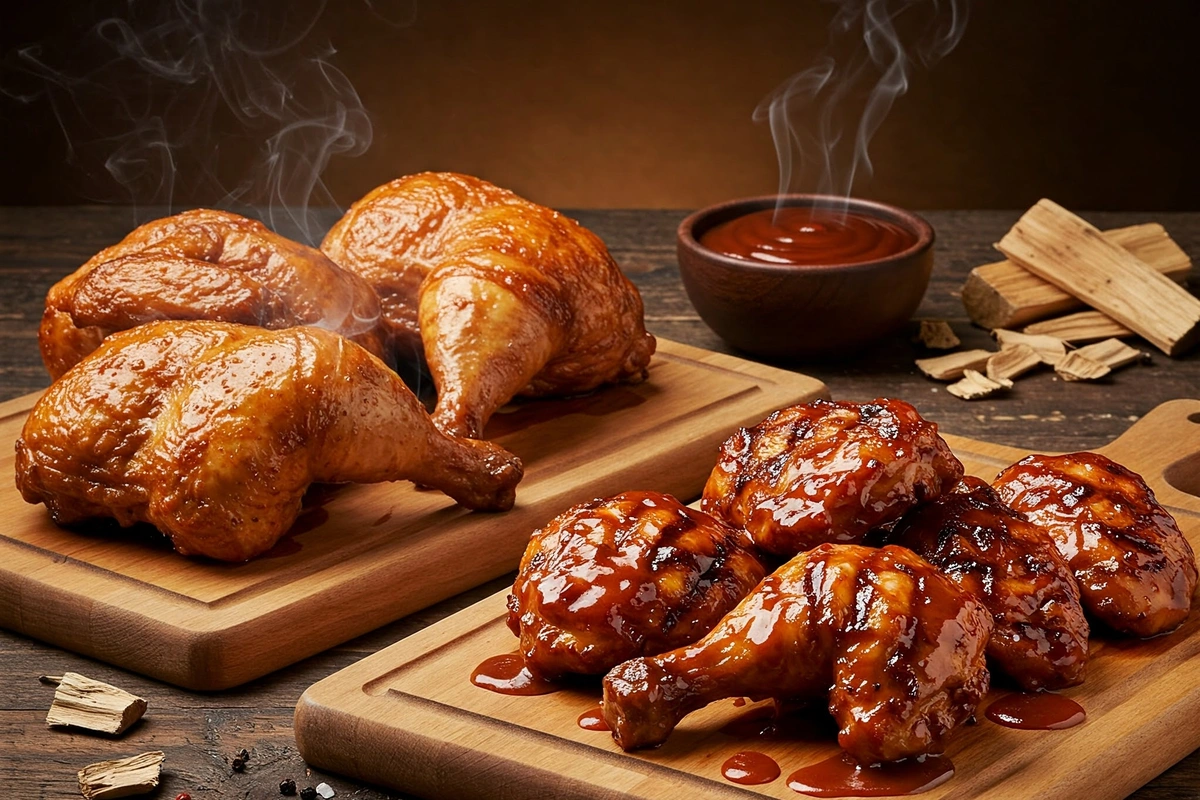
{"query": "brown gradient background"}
[(634, 104)]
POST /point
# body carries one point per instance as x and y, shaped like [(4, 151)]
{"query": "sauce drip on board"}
[(750, 768), (593, 720), (842, 776), (507, 674), (1040, 711), (808, 237)]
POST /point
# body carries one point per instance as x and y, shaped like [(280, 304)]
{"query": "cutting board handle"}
[(1164, 447)]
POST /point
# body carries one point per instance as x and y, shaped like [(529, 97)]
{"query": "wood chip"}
[(950, 366), (1076, 367), (121, 778), (1006, 295), (936, 334), (1082, 326), (81, 702), (975, 385), (1112, 353), (1012, 362), (1049, 349), (1065, 250)]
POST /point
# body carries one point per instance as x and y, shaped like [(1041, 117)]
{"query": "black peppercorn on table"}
[(203, 734)]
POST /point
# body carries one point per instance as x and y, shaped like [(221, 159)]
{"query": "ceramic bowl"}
[(788, 312)]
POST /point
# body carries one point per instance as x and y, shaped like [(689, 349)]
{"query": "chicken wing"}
[(1040, 636), (502, 296), (212, 432), (901, 645), (203, 264), (630, 575), (1135, 569), (828, 472)]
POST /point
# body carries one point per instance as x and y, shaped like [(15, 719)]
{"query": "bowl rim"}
[(911, 220)]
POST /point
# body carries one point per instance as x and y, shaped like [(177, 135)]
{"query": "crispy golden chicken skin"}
[(212, 432), (900, 644), (828, 472), (501, 296), (1040, 636), (203, 265), (1135, 569), (630, 575)]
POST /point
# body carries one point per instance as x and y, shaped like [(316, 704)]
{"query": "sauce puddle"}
[(842, 776), (750, 768), (507, 674), (1040, 711), (593, 720)]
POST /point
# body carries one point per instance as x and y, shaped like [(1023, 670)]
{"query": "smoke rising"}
[(162, 92), (822, 119)]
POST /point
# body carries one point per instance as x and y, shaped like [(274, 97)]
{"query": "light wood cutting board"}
[(361, 556), (408, 717)]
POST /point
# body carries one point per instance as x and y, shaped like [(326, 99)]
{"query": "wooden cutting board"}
[(408, 717), (361, 556)]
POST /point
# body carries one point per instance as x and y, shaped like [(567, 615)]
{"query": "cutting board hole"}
[(1194, 417), (1184, 474)]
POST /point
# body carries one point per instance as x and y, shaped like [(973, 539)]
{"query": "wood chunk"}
[(950, 366), (1012, 362), (1082, 326), (936, 334), (1058, 246), (81, 702), (1006, 295), (1076, 367), (1048, 348), (1112, 353), (123, 777), (975, 385)]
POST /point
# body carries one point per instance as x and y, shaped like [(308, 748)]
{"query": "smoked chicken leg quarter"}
[(203, 265), (828, 472), (212, 432), (502, 297)]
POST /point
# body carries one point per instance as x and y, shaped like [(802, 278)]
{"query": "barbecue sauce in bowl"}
[(808, 236)]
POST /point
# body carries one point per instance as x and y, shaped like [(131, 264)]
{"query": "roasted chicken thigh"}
[(203, 265), (501, 296), (630, 575), (900, 644), (212, 432), (1135, 569), (828, 472), (1040, 636)]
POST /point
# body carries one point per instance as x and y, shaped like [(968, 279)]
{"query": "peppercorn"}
[(287, 786), (308, 793), (244, 754), (239, 765)]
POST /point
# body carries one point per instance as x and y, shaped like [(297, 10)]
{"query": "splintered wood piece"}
[(1082, 326), (975, 385), (1012, 362), (1076, 367), (1048, 348), (1006, 295), (936, 334), (81, 702), (1054, 244), (1112, 353), (123, 777), (950, 366)]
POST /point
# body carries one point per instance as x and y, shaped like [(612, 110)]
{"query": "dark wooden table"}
[(200, 733)]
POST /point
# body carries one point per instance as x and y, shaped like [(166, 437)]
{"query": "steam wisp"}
[(822, 119)]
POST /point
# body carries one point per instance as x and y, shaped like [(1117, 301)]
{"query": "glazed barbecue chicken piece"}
[(212, 432), (503, 297), (626, 576), (1040, 636), (203, 265), (899, 643), (828, 472), (1135, 569)]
